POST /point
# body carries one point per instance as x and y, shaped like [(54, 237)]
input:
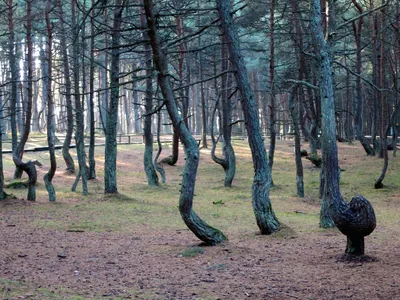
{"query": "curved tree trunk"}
[(357, 218), (69, 161), (202, 230), (172, 159), (265, 216), (48, 177), (30, 169), (79, 116), (228, 163), (151, 174), (159, 168)]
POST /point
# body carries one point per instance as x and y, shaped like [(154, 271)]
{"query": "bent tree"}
[(355, 219), (265, 216), (48, 177), (201, 229)]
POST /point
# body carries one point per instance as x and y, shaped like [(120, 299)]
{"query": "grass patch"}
[(191, 252)]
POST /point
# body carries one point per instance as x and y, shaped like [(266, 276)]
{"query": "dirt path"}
[(150, 265)]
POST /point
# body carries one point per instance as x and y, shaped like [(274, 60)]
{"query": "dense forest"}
[(204, 73), (111, 110)]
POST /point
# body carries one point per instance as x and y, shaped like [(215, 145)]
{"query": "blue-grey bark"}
[(202, 230), (151, 174), (265, 216), (69, 161), (79, 115), (110, 164), (357, 218), (48, 177)]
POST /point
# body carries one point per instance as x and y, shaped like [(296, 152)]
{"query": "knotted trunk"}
[(357, 218)]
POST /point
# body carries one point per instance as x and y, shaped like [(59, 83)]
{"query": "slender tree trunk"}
[(294, 113), (14, 74), (28, 114), (358, 119), (110, 164), (202, 230), (92, 161), (265, 216), (272, 120), (79, 115), (384, 110), (136, 106), (69, 161), (50, 109), (152, 178), (229, 160)]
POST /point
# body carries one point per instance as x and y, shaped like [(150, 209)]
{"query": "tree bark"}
[(358, 119), (357, 218), (272, 108), (110, 164), (202, 230), (69, 161), (229, 161), (265, 216), (14, 74), (28, 114), (79, 115), (50, 109), (294, 113), (92, 161), (151, 174)]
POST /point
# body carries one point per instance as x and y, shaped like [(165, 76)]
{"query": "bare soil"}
[(150, 264)]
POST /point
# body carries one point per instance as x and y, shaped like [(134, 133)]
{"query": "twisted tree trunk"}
[(265, 216), (151, 174), (202, 230), (48, 177), (357, 218), (69, 161)]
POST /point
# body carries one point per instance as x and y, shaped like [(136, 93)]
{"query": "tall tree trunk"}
[(265, 216), (152, 178), (384, 109), (110, 164), (28, 114), (79, 115), (92, 161), (50, 109), (202, 230), (357, 218), (69, 161), (358, 118), (3, 195), (229, 160), (294, 113), (272, 119), (14, 75)]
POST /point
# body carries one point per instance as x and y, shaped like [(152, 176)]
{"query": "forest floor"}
[(135, 246)]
